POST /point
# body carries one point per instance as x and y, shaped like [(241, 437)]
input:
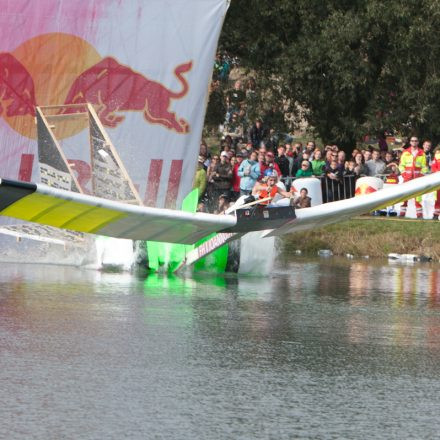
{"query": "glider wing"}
[(79, 212)]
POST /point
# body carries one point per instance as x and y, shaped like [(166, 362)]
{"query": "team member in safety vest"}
[(412, 165), (435, 166), (269, 188)]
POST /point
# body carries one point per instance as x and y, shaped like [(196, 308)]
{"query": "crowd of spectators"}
[(252, 147), (237, 168)]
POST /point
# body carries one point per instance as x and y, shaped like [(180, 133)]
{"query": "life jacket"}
[(411, 166), (264, 193)]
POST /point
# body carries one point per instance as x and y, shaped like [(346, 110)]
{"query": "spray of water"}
[(257, 254), (114, 253)]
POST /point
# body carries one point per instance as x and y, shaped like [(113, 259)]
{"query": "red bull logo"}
[(17, 91), (364, 189), (80, 75), (113, 88)]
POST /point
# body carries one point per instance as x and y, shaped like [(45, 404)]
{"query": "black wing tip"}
[(7, 183)]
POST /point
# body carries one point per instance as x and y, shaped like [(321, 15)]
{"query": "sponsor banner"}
[(55, 178), (144, 65), (209, 246)]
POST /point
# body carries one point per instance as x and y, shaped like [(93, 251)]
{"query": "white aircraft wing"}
[(79, 212), (335, 212)]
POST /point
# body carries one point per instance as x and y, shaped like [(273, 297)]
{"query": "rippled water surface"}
[(322, 349)]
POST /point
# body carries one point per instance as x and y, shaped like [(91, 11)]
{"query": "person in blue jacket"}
[(249, 171)]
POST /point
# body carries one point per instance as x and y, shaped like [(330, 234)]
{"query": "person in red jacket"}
[(412, 165), (271, 164), (236, 178), (435, 167)]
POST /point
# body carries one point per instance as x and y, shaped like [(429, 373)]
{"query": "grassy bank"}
[(376, 237)]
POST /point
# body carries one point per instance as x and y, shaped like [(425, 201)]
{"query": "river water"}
[(321, 349)]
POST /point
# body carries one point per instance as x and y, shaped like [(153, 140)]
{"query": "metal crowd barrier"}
[(332, 190)]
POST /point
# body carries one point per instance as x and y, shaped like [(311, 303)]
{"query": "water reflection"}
[(311, 349), (408, 284)]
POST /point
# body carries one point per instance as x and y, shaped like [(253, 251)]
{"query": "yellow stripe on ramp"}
[(49, 210), (30, 206)]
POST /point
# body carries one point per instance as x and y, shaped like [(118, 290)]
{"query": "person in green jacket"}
[(318, 164), (305, 170), (200, 177)]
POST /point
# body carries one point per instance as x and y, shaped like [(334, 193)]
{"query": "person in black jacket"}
[(332, 181), (257, 133), (282, 161), (222, 177)]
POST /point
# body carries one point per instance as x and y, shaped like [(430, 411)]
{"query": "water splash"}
[(257, 254), (114, 253)]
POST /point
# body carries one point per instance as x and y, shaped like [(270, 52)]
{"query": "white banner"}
[(145, 65)]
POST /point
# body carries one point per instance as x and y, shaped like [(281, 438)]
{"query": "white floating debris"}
[(403, 257), (325, 253), (349, 256), (298, 252), (366, 257)]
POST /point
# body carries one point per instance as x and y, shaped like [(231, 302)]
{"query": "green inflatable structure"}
[(169, 256)]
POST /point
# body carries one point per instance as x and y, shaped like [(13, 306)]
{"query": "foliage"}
[(348, 67)]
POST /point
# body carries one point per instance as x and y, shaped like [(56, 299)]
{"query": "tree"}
[(352, 67)]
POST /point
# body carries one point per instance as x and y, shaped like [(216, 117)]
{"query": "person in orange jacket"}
[(412, 165), (435, 166)]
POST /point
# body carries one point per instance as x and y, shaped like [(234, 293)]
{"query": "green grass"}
[(376, 237)]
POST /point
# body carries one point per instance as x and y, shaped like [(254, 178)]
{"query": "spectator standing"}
[(262, 164), (282, 161), (204, 151), (331, 156), (272, 140), (375, 165), (222, 175), (249, 172), (234, 128), (235, 99), (435, 168), (310, 147), (290, 154), (318, 164), (349, 178), (200, 179), (367, 155), (222, 68), (271, 164), (391, 169), (210, 190), (251, 98), (389, 158), (412, 165), (236, 178), (333, 181), (341, 161), (211, 167), (427, 149), (305, 170), (359, 167), (256, 133)]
